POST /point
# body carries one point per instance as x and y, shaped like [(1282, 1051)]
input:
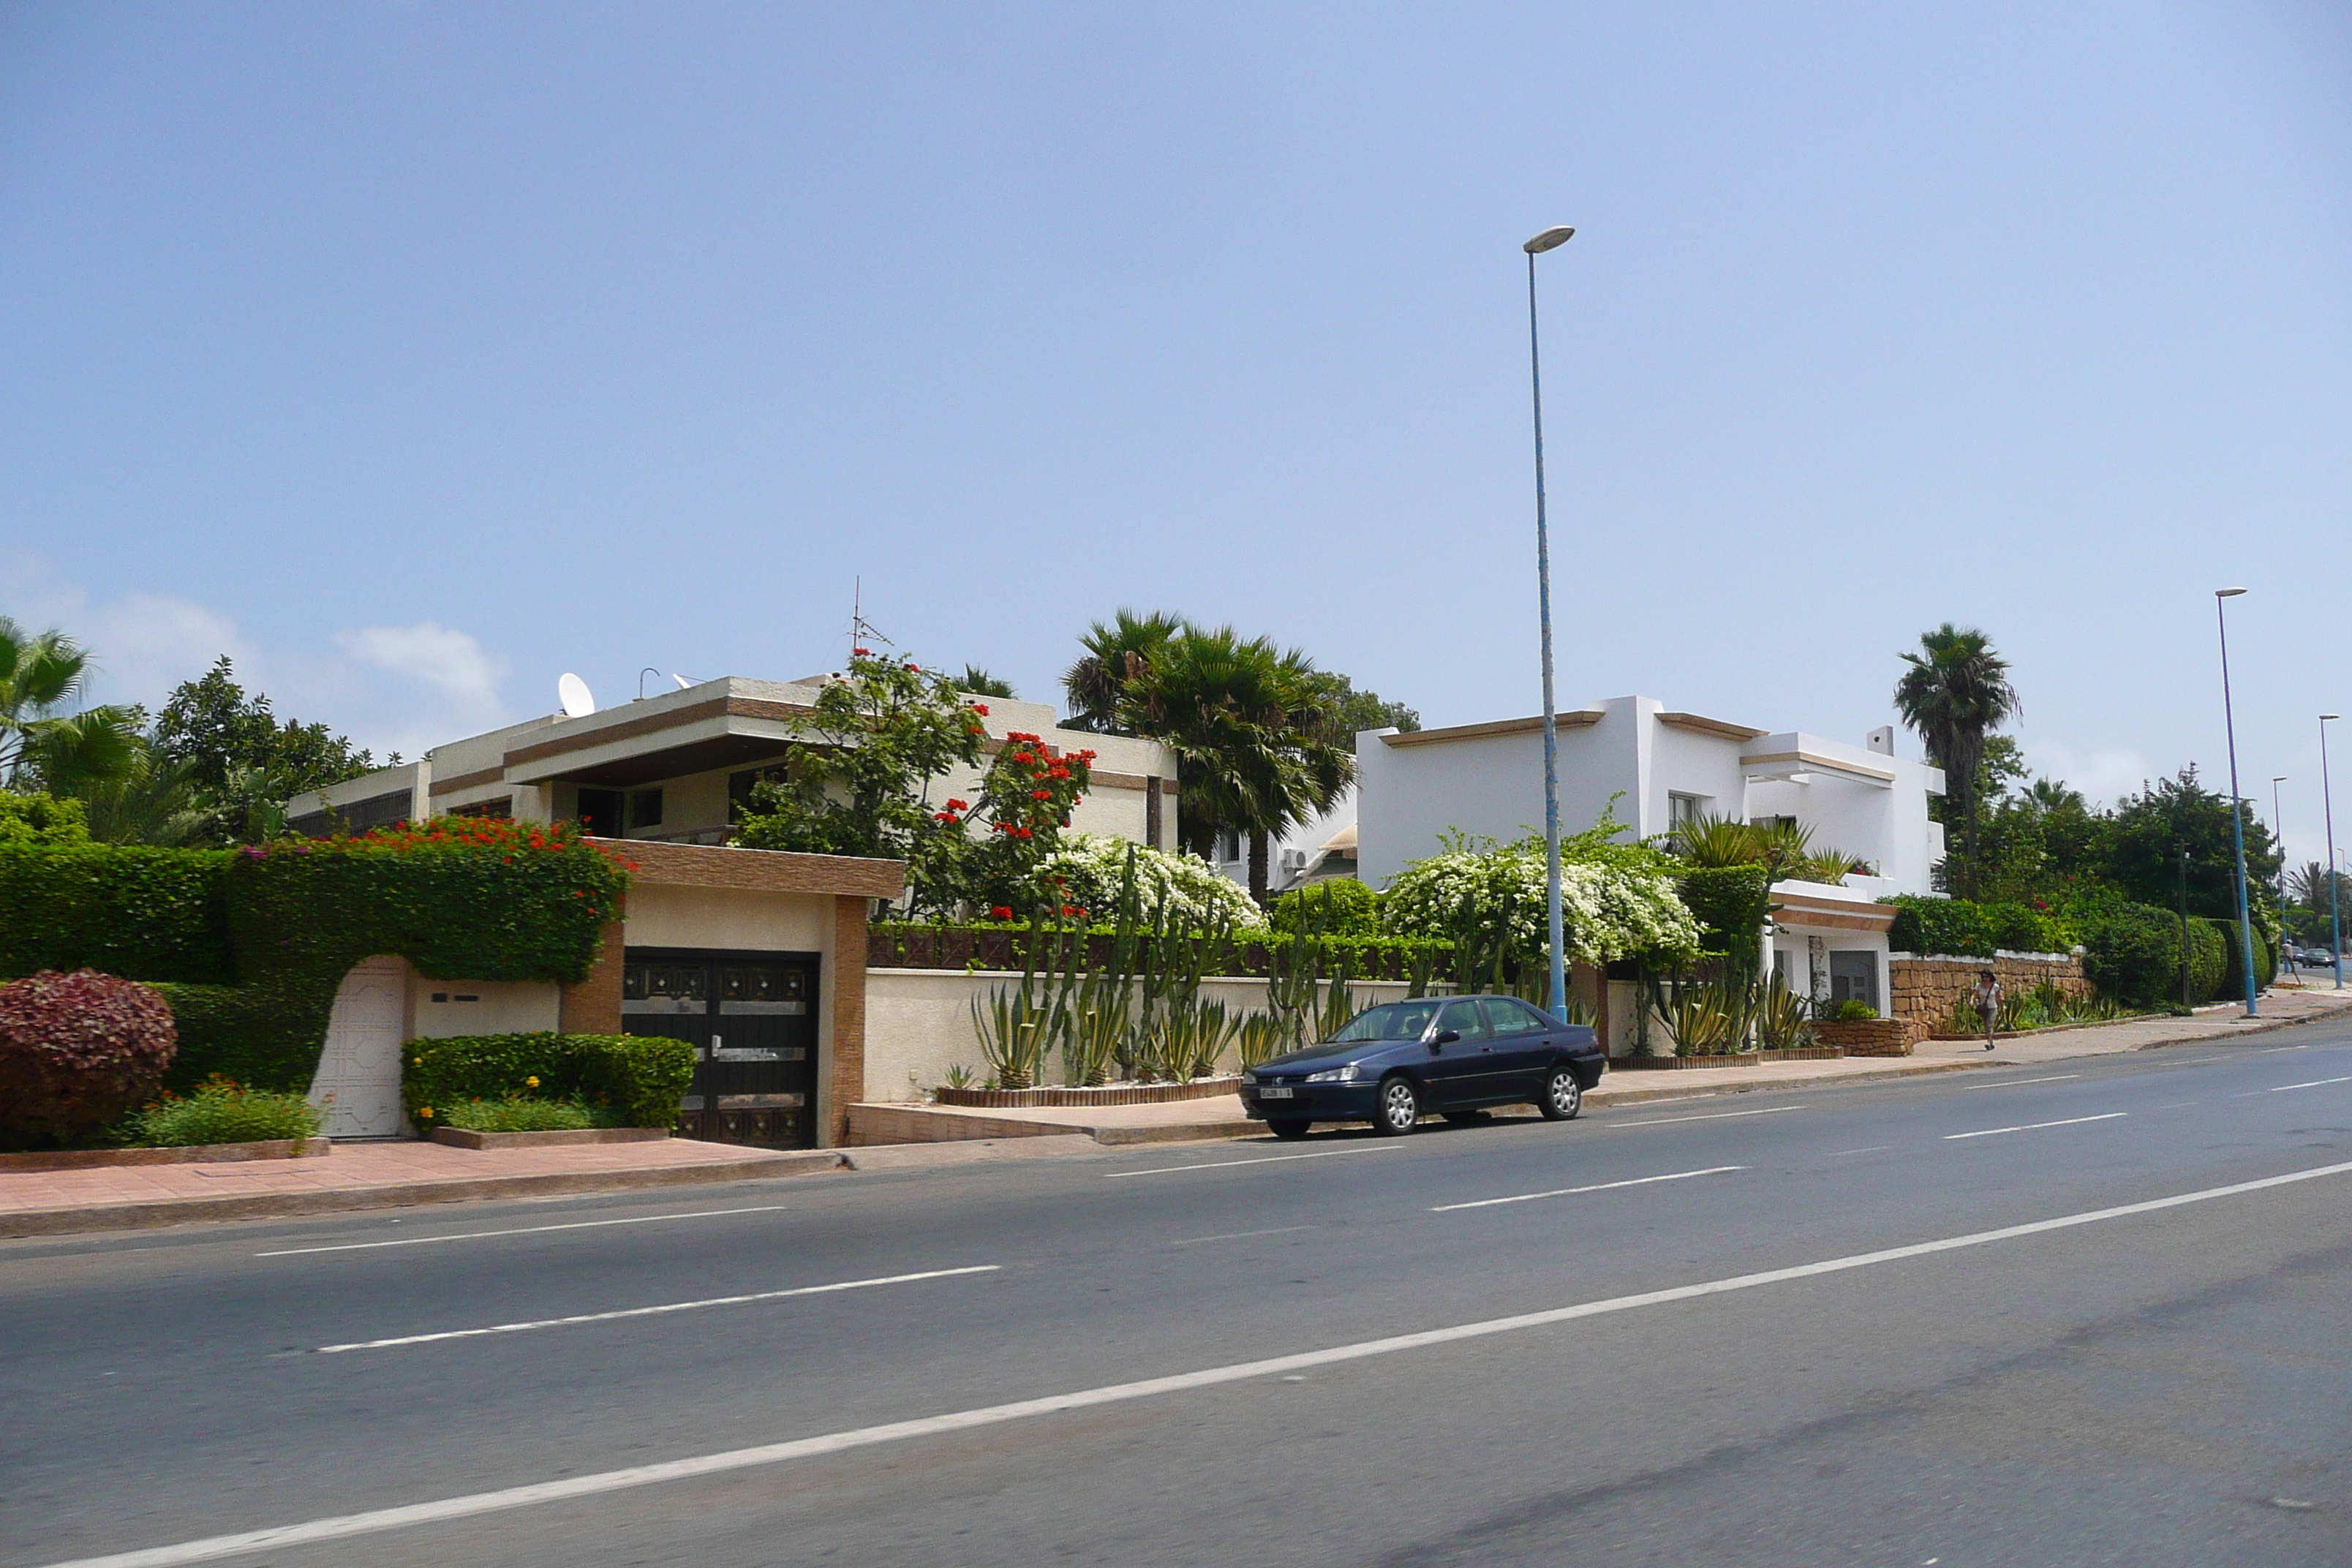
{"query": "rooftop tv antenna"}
[(863, 633), (572, 692)]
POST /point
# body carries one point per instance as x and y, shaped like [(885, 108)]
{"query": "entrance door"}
[(359, 1068), (748, 1018), (1853, 977)]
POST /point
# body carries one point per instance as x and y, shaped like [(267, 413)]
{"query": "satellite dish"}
[(683, 683), (574, 693)]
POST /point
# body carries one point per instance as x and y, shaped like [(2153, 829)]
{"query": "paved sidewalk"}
[(1223, 1117), (368, 1175)]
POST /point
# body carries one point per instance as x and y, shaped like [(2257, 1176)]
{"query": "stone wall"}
[(1925, 987)]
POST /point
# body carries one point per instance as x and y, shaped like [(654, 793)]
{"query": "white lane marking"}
[(520, 1230), (1709, 1116), (1873, 1149), (654, 1312), (2176, 1105), (1596, 1187), (2021, 1082), (1240, 1235), (2315, 1083), (442, 1510), (1260, 1159), (2037, 1126)]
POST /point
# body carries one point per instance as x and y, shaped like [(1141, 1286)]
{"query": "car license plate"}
[(1274, 1091)]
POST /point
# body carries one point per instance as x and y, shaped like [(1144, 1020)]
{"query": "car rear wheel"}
[(1399, 1107), (1563, 1097), (1287, 1127)]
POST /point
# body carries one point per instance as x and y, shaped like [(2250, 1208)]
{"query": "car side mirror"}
[(1443, 1037)]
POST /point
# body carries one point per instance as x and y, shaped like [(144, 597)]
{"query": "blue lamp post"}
[(1550, 239), (2237, 805), (2335, 915)]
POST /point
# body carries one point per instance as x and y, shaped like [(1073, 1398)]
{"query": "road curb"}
[(284, 1206)]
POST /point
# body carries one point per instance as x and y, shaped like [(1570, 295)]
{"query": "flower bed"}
[(1108, 1094), (191, 1154)]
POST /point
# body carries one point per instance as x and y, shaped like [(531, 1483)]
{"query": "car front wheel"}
[(1563, 1097), (1400, 1108)]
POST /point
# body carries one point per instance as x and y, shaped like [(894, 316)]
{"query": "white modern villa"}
[(1662, 767)]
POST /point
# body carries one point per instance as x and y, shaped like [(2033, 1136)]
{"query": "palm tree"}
[(1955, 692), (41, 747), (977, 682), (1256, 734), (1115, 654)]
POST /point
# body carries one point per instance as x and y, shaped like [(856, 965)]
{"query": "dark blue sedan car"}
[(1454, 1055)]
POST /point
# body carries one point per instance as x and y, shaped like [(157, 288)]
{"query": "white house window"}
[(1682, 808), (1776, 824)]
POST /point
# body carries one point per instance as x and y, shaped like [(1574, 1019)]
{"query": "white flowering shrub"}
[(1612, 906), (1087, 871)]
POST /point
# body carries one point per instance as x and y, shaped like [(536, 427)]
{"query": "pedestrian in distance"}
[(1989, 1001)]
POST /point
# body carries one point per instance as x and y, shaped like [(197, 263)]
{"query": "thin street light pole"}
[(1548, 239), (2278, 833), (2335, 914), (2237, 801)]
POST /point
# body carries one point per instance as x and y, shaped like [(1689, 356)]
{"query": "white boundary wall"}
[(918, 1023)]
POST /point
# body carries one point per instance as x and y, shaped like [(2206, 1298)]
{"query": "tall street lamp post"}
[(2335, 915), (2237, 801), (1550, 239), (2278, 832)]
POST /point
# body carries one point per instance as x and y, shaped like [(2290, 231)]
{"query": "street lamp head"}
[(2324, 718), (1550, 239), (2227, 593)]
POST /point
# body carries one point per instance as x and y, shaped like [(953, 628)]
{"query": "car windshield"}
[(1397, 1021)]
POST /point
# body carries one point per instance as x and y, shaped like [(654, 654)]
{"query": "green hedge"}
[(640, 1077), (2209, 960), (2132, 953), (144, 914), (895, 945), (2234, 956), (1343, 906), (1730, 904), (251, 945), (1951, 927)]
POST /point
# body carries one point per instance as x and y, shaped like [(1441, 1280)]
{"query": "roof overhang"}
[(1816, 906), (1787, 762), (1581, 719), (660, 865), (1698, 724)]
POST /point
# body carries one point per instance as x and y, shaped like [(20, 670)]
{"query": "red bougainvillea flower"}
[(980, 708), (863, 652), (958, 805), (1001, 912), (1041, 794)]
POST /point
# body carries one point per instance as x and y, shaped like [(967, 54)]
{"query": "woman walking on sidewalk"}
[(1987, 999)]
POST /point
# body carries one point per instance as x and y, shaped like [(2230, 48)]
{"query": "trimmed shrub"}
[(221, 1112), (2209, 960), (1339, 907), (2132, 952), (1730, 904), (150, 914), (1951, 927), (2021, 928), (42, 820), (519, 1114), (2234, 958), (894, 944), (638, 1078), (77, 1052)]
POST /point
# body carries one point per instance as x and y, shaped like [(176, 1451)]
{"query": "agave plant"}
[(1260, 1036), (1017, 1026), (1784, 1020), (1706, 1018)]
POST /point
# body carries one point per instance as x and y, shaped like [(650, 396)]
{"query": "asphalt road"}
[(2163, 1386)]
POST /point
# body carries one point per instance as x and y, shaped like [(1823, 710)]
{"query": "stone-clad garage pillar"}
[(848, 987)]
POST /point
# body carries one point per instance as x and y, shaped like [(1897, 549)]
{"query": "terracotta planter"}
[(1110, 1094), (191, 1154), (1669, 1064)]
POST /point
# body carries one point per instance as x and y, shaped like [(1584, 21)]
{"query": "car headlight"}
[(1334, 1075)]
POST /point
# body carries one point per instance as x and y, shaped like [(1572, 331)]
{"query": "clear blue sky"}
[(415, 353)]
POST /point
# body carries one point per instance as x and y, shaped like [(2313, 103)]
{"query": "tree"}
[(1256, 732), (2149, 830), (977, 682), (1115, 654), (41, 747), (237, 761), (1354, 710), (859, 777), (1955, 693)]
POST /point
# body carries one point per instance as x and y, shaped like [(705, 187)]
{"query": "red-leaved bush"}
[(79, 1052)]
